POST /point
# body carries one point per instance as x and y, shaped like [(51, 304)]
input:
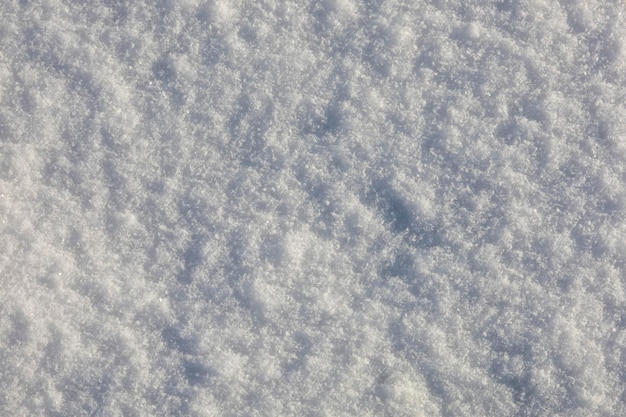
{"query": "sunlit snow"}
[(313, 208)]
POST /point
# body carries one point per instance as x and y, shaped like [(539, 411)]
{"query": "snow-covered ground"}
[(313, 208)]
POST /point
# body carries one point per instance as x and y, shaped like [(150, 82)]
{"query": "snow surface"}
[(313, 208)]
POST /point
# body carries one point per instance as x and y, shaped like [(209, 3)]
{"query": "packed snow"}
[(313, 208)]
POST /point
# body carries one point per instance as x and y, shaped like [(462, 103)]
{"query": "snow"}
[(320, 208)]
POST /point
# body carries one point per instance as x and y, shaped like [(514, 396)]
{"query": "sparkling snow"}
[(313, 208)]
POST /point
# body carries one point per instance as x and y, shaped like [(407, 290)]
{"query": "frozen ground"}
[(313, 208)]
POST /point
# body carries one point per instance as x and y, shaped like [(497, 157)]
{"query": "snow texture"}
[(313, 208)]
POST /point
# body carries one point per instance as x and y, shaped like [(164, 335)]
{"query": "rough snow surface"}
[(313, 208)]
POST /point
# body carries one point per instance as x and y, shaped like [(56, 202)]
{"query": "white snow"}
[(313, 208)]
